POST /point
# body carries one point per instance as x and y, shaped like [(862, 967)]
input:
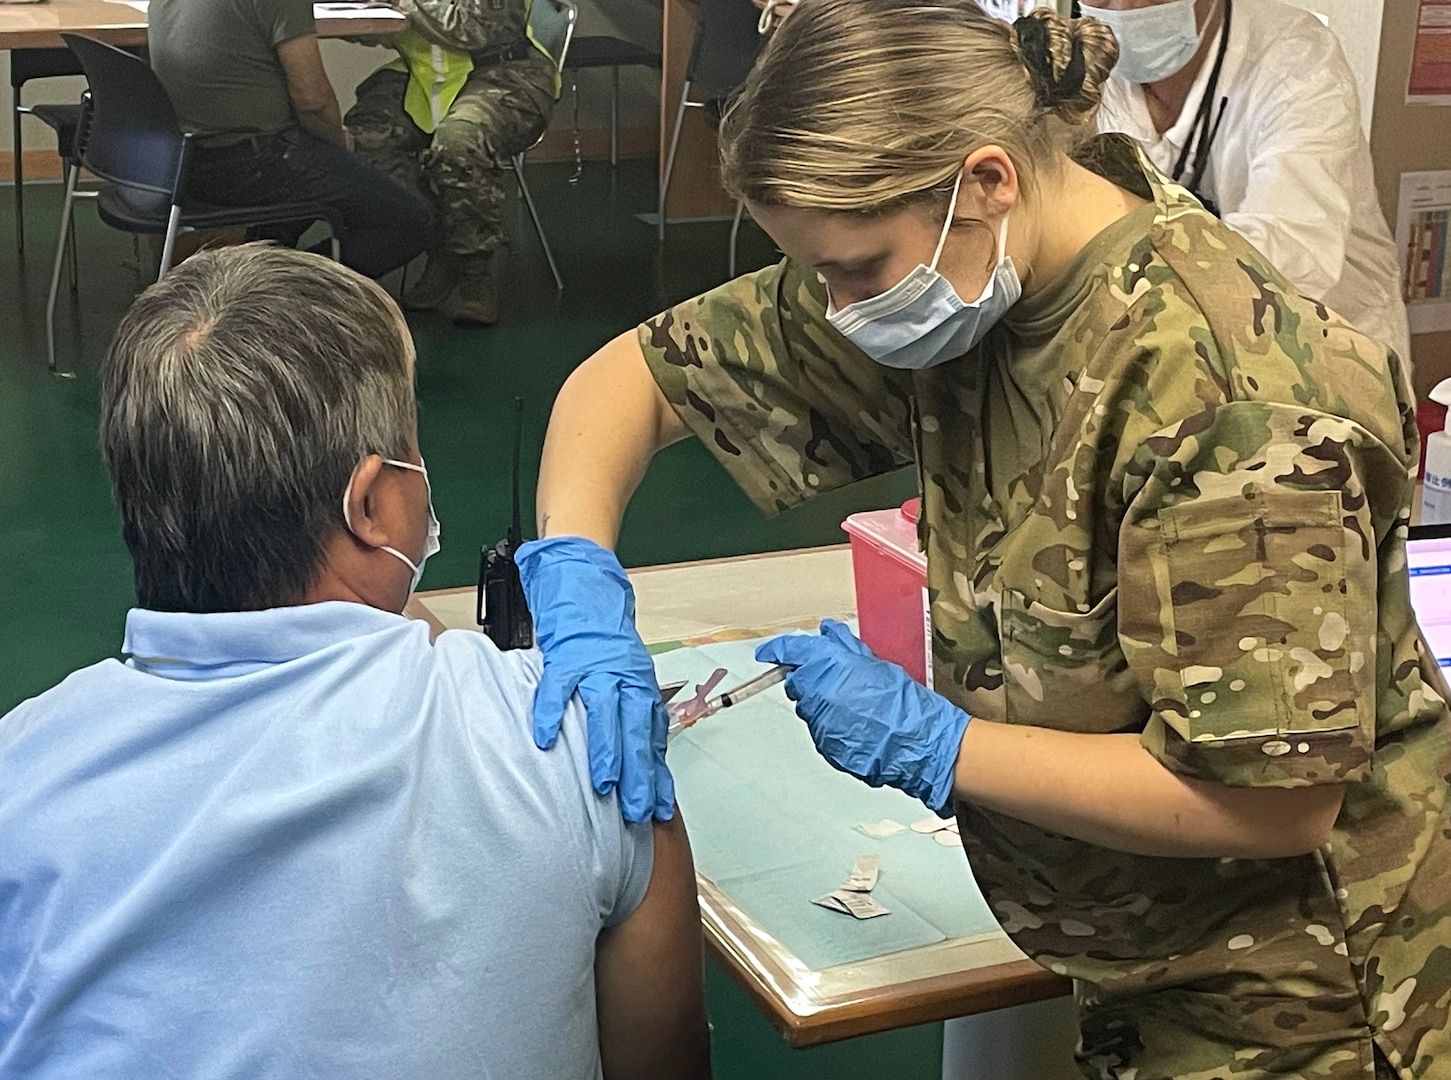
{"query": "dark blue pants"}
[(387, 225)]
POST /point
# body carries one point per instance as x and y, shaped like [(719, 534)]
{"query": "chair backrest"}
[(726, 43), (129, 132), (27, 64), (551, 24)]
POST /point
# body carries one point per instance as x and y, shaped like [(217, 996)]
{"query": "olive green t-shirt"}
[(218, 62)]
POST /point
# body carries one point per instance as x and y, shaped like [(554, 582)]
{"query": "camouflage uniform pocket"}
[(1065, 669), (1269, 674)]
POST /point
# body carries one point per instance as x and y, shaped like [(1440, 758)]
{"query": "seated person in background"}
[(1262, 124), (470, 90), (290, 836), (246, 78)]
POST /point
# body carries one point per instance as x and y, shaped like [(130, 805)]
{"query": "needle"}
[(684, 719)]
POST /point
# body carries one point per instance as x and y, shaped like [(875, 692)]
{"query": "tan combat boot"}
[(476, 300), (440, 277)]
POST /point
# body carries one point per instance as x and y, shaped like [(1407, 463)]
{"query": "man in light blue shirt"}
[(291, 836)]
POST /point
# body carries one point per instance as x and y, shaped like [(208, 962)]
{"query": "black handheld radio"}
[(502, 609)]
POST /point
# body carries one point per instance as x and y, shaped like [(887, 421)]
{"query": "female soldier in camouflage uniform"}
[(1194, 738)]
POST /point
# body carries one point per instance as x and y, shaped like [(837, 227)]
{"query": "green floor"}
[(65, 584)]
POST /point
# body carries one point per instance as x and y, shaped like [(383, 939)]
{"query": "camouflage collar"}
[(1122, 161)]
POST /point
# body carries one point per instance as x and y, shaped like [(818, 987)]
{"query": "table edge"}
[(926, 999), (455, 590), (920, 1001), (135, 33)]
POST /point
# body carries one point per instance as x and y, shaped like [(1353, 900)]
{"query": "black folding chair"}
[(603, 51), (551, 22), (727, 39), (27, 65), (130, 139)]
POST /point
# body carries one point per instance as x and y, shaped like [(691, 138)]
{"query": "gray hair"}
[(237, 398)]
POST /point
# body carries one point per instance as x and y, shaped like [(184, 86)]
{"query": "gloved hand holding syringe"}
[(686, 713)]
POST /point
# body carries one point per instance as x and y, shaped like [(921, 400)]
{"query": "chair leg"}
[(574, 129), (75, 258), (72, 175), (578, 157), (18, 173), (670, 158), (518, 163), (614, 116), (168, 248), (335, 246), (735, 232)]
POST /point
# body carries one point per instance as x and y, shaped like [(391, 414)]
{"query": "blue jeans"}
[(387, 225)]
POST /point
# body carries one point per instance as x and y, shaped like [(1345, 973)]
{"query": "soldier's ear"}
[(989, 184)]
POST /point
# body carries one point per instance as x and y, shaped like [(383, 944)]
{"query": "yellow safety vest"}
[(436, 74), (435, 77)]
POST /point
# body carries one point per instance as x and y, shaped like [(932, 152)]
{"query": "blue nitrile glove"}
[(584, 622), (868, 717)]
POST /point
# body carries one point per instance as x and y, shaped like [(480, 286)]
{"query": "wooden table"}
[(954, 978), (39, 26)]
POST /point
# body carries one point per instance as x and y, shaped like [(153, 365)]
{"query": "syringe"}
[(683, 719)]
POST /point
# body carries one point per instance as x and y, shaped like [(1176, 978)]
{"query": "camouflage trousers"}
[(461, 168)]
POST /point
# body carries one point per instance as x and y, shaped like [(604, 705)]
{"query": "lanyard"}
[(1206, 122)]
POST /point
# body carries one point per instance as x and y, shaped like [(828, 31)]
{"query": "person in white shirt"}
[(1252, 106), (291, 836)]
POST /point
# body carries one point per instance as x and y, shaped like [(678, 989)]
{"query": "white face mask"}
[(1153, 42), (921, 322), (431, 543)]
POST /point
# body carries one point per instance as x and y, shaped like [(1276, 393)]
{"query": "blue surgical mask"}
[(921, 322), (1153, 42), (431, 543)]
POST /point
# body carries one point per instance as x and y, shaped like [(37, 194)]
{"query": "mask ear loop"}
[(947, 225), (769, 18), (347, 498), (421, 470), (348, 514), (1002, 251)]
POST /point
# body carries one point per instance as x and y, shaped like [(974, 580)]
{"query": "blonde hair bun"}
[(1067, 61)]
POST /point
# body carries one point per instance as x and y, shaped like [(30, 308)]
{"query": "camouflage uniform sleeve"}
[(787, 404), (1249, 578), (471, 25)]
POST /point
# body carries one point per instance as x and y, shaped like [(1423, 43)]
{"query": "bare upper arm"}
[(608, 421), (307, 80), (627, 367), (649, 975)]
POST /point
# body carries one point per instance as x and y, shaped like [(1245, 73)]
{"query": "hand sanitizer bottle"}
[(1436, 498)]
